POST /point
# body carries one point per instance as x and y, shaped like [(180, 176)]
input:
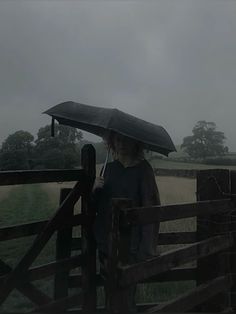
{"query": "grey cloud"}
[(169, 62)]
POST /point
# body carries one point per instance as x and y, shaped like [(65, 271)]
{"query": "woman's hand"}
[(98, 183)]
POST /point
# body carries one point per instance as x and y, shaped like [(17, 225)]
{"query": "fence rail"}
[(130, 274), (47, 270), (33, 228), (147, 215), (202, 293), (40, 176)]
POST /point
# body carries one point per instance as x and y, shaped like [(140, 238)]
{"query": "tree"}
[(64, 135), (16, 151), (59, 151), (205, 141)]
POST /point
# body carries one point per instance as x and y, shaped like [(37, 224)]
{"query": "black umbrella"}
[(100, 121)]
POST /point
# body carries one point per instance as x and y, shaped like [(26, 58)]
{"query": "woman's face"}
[(123, 145)]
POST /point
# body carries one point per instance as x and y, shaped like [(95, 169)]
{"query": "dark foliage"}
[(20, 152)]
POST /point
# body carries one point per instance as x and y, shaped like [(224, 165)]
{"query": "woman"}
[(130, 176)]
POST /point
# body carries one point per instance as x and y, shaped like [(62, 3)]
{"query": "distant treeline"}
[(21, 151), (221, 161)]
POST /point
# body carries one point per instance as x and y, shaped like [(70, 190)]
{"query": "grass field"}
[(18, 205)]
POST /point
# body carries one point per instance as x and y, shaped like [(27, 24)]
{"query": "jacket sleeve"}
[(149, 189), (149, 197)]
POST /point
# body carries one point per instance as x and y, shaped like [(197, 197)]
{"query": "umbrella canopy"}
[(100, 121)]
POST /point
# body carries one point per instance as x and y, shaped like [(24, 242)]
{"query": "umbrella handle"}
[(105, 163)]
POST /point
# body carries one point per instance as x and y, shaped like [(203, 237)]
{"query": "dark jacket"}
[(138, 184)]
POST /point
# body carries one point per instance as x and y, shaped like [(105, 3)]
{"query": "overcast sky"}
[(171, 62)]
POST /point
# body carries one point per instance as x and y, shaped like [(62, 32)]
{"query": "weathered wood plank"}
[(112, 261), (147, 215), (178, 274), (63, 250), (196, 296), (40, 176), (33, 294), (88, 272), (141, 307), (176, 238), (22, 230), (134, 273), (121, 298), (47, 270), (18, 273), (57, 306), (55, 267), (29, 290), (101, 309), (32, 228), (163, 239), (212, 184)]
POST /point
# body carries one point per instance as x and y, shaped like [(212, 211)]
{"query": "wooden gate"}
[(22, 276)]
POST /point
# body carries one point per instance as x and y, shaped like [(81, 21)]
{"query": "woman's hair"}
[(138, 151)]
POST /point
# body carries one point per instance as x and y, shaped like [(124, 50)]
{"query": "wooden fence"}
[(211, 247)]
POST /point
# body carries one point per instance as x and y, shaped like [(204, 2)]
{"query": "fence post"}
[(233, 249), (118, 253), (211, 184), (88, 162), (63, 250)]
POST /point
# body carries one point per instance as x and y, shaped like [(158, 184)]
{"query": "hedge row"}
[(186, 173)]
